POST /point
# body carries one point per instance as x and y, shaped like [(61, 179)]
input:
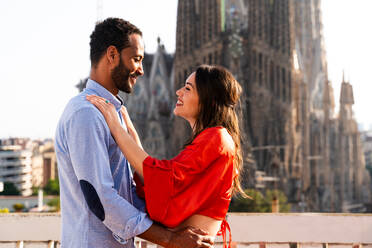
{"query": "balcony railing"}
[(308, 230), (15, 170)]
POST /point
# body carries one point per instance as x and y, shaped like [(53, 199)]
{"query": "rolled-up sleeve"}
[(88, 139)]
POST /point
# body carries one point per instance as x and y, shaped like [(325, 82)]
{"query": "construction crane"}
[(99, 10)]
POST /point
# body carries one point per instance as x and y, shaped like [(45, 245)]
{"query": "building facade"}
[(44, 163), (352, 183), (15, 167), (276, 51), (367, 147)]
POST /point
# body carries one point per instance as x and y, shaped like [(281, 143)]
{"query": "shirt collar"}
[(102, 92)]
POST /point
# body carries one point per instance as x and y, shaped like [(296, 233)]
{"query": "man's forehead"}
[(134, 49), (136, 43)]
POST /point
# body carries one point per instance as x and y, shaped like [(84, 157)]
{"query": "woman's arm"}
[(131, 129), (131, 150), (208, 224)]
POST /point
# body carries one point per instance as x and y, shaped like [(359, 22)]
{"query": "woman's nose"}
[(178, 92)]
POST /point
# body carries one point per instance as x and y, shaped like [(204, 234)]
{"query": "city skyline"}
[(45, 53)]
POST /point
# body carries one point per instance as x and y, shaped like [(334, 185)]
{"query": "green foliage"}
[(35, 190), (259, 203), (4, 210), (284, 207), (55, 203), (52, 187), (18, 207), (256, 204), (10, 189)]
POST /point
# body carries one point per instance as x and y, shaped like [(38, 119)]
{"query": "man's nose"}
[(140, 70)]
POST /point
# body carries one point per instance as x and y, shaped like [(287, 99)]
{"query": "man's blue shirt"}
[(99, 206)]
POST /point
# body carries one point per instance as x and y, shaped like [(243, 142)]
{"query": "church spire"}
[(343, 75), (347, 96)]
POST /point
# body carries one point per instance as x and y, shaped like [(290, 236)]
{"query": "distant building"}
[(44, 163), (24, 143), (366, 138), (15, 167), (351, 181), (367, 146)]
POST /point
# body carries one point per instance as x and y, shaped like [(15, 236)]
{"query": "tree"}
[(52, 187), (256, 204), (10, 189), (259, 203), (55, 203), (284, 207), (35, 190)]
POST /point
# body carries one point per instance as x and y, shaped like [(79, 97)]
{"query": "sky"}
[(348, 43), (44, 52)]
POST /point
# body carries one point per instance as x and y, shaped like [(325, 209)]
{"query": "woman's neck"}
[(192, 125)]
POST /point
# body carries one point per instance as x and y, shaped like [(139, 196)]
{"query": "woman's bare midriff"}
[(208, 224)]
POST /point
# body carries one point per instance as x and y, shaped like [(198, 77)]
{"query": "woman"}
[(195, 187)]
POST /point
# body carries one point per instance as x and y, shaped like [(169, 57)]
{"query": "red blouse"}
[(197, 181)]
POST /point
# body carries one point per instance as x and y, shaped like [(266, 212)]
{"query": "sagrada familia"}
[(293, 138)]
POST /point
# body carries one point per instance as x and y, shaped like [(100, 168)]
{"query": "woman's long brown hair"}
[(219, 93)]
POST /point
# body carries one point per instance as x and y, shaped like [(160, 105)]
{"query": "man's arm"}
[(188, 237)]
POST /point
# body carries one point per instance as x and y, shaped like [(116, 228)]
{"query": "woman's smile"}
[(179, 103), (187, 105)]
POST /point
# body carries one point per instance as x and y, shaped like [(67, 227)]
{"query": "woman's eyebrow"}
[(188, 83)]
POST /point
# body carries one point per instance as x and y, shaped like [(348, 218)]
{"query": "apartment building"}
[(15, 167)]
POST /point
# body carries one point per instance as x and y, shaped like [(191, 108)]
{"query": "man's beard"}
[(120, 75)]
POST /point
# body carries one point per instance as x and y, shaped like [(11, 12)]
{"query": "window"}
[(260, 61), (277, 81), (284, 85), (260, 78), (272, 78), (254, 60)]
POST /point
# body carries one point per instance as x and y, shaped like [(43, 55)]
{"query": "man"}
[(98, 201)]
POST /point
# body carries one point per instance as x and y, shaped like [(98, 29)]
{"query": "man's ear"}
[(112, 56)]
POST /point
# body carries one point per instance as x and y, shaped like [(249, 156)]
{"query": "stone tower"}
[(315, 110), (350, 177)]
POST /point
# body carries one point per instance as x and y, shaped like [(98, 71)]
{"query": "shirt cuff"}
[(133, 229)]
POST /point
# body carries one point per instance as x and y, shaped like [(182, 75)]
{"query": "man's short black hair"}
[(110, 32)]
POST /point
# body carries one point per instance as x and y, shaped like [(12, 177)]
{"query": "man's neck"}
[(104, 81)]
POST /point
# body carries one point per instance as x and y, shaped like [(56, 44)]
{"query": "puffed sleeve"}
[(178, 188)]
